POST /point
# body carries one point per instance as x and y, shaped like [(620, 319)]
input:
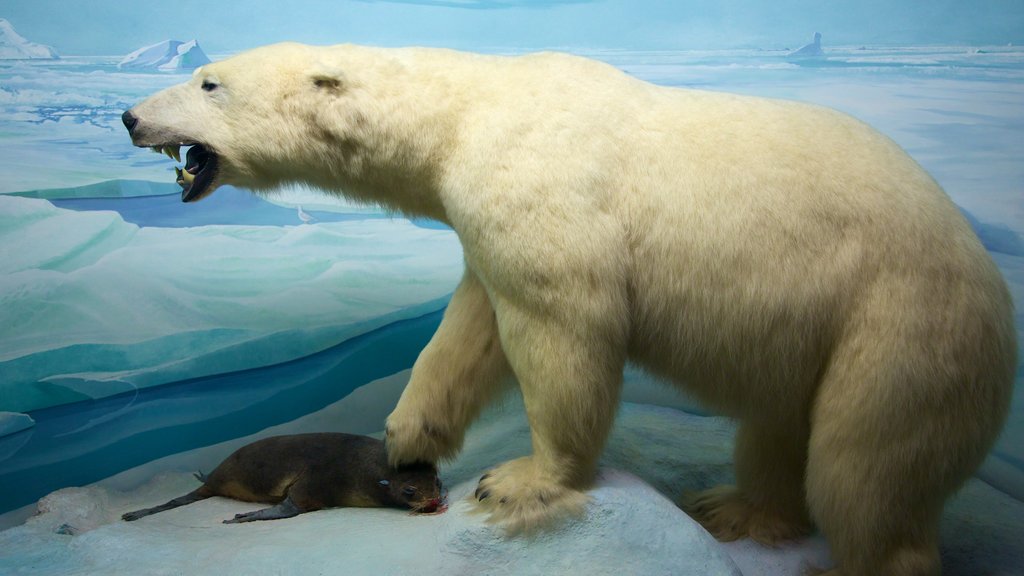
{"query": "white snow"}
[(169, 55), (631, 529), (631, 526), (14, 46)]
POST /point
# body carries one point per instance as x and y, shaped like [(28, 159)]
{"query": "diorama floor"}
[(631, 527)]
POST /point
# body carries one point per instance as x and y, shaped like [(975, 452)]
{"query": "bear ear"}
[(327, 78)]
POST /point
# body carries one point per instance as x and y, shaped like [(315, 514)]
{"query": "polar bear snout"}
[(150, 133), (198, 178), (130, 121)]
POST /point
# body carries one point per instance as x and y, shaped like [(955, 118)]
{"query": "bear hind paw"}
[(728, 516)]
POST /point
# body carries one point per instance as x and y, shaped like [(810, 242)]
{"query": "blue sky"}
[(117, 26)]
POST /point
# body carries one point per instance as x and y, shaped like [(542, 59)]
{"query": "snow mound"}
[(630, 526), (168, 55), (631, 529), (14, 46)]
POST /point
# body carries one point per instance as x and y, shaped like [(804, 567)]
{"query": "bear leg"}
[(879, 513), (460, 370), (879, 473), (767, 504), (570, 380)]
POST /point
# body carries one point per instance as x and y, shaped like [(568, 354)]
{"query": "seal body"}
[(306, 472)]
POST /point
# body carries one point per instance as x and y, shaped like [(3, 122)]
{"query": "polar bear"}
[(784, 263)]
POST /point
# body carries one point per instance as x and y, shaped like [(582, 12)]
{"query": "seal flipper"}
[(286, 509), (196, 495)]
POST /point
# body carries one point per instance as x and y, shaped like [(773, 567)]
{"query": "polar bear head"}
[(273, 115)]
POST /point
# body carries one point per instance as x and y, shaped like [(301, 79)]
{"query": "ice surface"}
[(103, 306), (169, 55), (631, 527), (15, 47)]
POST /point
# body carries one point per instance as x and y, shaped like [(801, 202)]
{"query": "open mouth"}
[(432, 506), (437, 505), (197, 178)]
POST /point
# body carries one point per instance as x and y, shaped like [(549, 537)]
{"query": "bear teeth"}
[(172, 152), (183, 176)]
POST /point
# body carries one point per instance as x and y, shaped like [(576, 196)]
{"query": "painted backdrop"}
[(127, 315)]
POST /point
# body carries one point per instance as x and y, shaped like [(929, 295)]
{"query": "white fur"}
[(783, 262)]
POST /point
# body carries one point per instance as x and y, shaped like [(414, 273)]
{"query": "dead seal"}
[(306, 472)]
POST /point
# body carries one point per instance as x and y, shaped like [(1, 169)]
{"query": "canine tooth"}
[(188, 178), (176, 152)]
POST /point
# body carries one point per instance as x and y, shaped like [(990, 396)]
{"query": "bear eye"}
[(408, 490), (209, 85)]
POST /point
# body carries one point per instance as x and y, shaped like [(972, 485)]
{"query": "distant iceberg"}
[(810, 50), (15, 47), (168, 55)]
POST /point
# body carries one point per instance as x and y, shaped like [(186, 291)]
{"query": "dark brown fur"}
[(306, 472)]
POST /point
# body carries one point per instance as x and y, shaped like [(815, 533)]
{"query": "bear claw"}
[(521, 498)]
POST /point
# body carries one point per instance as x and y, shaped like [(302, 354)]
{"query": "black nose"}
[(129, 120)]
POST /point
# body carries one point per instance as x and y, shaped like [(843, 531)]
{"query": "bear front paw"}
[(410, 439), (522, 498)]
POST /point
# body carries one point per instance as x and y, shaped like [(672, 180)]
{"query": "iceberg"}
[(169, 55), (15, 47), (809, 50)]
